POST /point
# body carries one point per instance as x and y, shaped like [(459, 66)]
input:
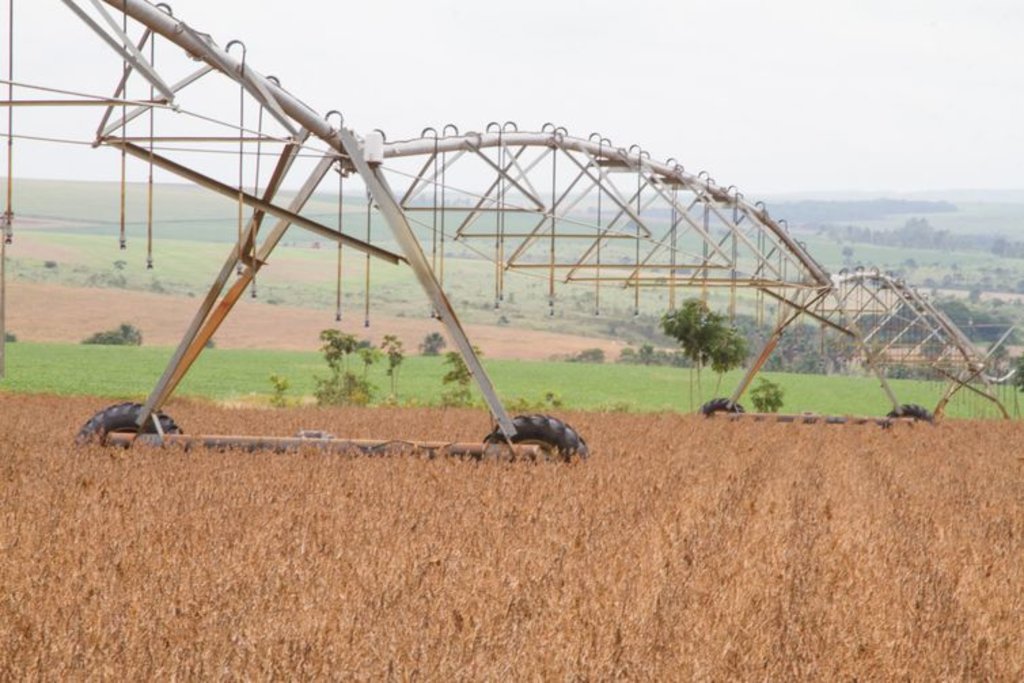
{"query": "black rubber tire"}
[(549, 432), (919, 413), (720, 405), (122, 419)]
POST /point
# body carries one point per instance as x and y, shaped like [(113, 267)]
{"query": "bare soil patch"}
[(45, 312)]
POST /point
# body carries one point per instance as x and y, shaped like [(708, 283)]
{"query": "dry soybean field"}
[(683, 549)]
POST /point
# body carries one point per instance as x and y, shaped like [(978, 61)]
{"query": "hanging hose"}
[(256, 187), (551, 268), (444, 170), (7, 220), (341, 229), (639, 209), (8, 217), (122, 240), (366, 304), (241, 151), (600, 193), (341, 220), (149, 179)]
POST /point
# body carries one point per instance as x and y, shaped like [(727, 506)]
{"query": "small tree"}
[(280, 384), (369, 355), (767, 396), (728, 351), (706, 339), (393, 349), (645, 354), (457, 379), (342, 387), (432, 344)]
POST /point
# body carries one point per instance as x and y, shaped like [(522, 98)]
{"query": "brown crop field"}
[(683, 549)]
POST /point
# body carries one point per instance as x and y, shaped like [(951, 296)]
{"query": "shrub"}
[(10, 337), (432, 344), (342, 387), (280, 384), (125, 335), (588, 356), (457, 379), (767, 396)]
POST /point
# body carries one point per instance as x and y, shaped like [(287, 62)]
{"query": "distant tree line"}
[(918, 233), (817, 212)]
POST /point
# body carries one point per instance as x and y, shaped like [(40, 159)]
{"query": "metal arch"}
[(595, 159), (725, 216)]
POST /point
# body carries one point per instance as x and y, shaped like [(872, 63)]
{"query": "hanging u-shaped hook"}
[(510, 125), (492, 124), (231, 44), (335, 112), (454, 129)]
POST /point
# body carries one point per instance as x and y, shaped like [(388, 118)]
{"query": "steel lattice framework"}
[(574, 210)]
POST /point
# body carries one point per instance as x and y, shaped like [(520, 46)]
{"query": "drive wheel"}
[(551, 434), (720, 405), (918, 413), (121, 419)]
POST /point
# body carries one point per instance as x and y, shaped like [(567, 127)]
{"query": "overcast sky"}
[(783, 96)]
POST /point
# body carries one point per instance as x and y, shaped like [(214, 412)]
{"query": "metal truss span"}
[(585, 211), (897, 326)]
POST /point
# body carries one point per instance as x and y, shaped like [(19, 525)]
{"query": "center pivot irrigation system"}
[(563, 209)]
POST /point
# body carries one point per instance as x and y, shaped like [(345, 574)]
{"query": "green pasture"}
[(242, 375)]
